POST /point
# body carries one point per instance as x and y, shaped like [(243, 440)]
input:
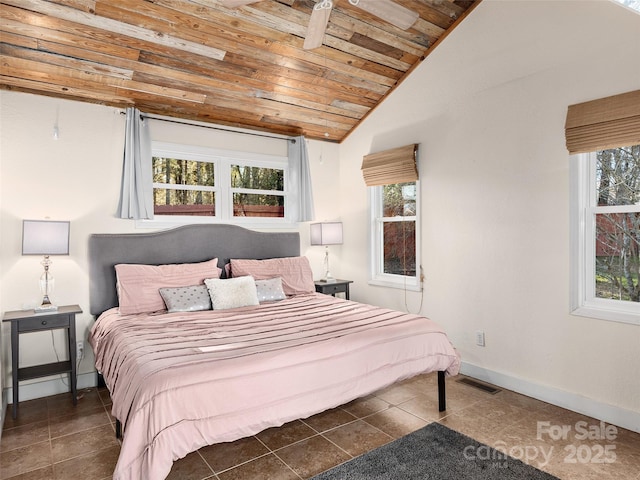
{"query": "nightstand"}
[(26, 321), (339, 286)]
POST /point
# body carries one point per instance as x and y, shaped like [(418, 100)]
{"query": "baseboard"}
[(49, 386), (611, 414), (571, 401)]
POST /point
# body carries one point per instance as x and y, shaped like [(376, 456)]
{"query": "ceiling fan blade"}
[(237, 3), (389, 11), (317, 26)]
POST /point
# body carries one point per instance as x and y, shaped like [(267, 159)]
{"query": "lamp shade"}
[(45, 237), (326, 233)]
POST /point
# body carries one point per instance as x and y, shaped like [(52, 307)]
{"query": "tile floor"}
[(52, 439)]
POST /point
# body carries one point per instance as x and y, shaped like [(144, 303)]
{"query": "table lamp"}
[(326, 233), (45, 237)]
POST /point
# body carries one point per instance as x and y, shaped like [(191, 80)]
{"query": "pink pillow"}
[(296, 274), (139, 285)]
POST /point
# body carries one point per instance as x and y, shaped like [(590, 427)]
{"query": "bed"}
[(182, 379)]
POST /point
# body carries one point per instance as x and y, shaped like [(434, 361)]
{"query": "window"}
[(395, 235), (183, 187), (202, 184), (257, 191), (606, 234)]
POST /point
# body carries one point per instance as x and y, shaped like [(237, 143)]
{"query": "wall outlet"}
[(79, 350), (480, 338)]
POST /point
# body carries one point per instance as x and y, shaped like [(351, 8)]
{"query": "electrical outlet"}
[(79, 350), (480, 338)]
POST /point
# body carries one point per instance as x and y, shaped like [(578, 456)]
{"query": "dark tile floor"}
[(52, 439)]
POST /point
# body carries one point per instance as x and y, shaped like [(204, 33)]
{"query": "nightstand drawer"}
[(45, 322), (330, 289)]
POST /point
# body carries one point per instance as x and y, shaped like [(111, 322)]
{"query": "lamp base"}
[(328, 278), (46, 306)]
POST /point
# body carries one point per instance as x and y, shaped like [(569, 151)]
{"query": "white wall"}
[(77, 178), (488, 109), (73, 178)]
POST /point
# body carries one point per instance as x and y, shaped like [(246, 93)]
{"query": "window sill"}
[(409, 285), (629, 315)]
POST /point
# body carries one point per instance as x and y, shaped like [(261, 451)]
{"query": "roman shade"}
[(604, 123), (397, 165)]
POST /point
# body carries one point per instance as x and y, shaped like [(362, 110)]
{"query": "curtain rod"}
[(143, 116)]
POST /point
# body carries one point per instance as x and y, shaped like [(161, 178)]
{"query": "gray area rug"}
[(434, 452)]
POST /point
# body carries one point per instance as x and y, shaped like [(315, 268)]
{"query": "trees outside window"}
[(193, 182), (617, 231), (606, 234), (257, 192), (183, 187), (394, 235)]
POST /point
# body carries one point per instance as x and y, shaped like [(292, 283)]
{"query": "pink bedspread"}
[(181, 381)]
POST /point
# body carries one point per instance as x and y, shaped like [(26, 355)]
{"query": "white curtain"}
[(301, 180), (136, 191)]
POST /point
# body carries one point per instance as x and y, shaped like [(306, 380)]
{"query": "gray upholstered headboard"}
[(188, 244)]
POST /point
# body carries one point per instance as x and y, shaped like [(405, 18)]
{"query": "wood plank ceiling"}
[(199, 60)]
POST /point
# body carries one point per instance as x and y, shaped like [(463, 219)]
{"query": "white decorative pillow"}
[(270, 290), (186, 299), (232, 292)]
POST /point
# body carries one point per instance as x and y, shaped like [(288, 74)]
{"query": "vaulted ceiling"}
[(208, 60)]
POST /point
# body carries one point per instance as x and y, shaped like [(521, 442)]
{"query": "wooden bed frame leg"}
[(442, 398), (118, 429)]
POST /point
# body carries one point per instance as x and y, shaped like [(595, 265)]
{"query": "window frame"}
[(377, 276), (222, 160), (582, 171)]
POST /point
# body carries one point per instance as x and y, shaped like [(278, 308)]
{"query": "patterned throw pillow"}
[(186, 299), (270, 290)]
